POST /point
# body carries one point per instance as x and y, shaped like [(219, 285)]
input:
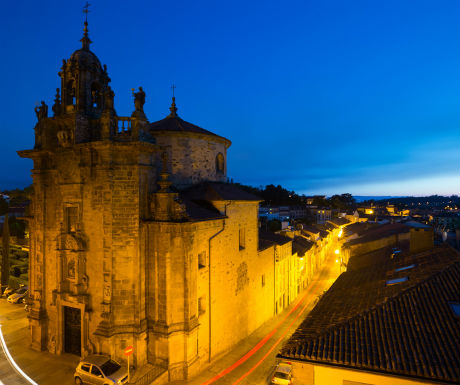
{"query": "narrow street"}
[(254, 359)]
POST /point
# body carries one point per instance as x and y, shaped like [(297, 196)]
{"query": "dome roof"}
[(85, 57)]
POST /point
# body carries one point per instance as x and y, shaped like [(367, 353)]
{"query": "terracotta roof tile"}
[(406, 329)]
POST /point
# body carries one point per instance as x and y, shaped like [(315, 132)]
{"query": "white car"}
[(283, 374), (100, 369), (19, 295)]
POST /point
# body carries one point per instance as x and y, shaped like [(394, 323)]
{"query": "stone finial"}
[(57, 103), (173, 108)]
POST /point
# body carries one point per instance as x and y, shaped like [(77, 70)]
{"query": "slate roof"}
[(359, 228), (310, 229), (337, 222), (274, 238), (216, 191), (201, 210), (379, 232), (301, 245), (406, 329), (176, 124), (264, 244)]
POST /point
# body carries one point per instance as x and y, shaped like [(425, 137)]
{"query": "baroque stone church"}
[(136, 238)]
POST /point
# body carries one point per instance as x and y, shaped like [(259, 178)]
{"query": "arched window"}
[(70, 92), (95, 95), (220, 163)]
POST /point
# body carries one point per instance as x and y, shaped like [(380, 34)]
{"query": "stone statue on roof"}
[(139, 100), (41, 111)]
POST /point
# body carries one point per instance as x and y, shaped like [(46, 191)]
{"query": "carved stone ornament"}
[(70, 242), (64, 138)]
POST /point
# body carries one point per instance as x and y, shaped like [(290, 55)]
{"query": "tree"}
[(5, 253), (3, 206)]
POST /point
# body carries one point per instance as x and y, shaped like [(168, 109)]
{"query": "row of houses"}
[(391, 318)]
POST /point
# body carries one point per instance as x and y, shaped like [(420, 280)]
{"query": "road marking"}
[(10, 359)]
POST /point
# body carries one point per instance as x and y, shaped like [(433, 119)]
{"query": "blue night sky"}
[(319, 96)]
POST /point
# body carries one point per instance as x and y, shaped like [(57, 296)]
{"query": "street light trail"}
[(11, 360), (264, 340), (271, 349)]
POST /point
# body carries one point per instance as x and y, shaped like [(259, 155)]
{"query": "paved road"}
[(9, 374), (42, 367), (253, 361)]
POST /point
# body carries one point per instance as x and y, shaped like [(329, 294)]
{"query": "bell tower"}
[(84, 82)]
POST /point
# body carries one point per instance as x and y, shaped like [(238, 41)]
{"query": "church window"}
[(202, 260), (70, 218), (95, 95), (219, 163), (242, 236), (71, 92), (263, 280)]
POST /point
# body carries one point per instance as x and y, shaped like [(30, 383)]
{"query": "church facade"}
[(135, 236)]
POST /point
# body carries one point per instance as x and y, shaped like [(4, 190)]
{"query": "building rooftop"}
[(393, 316), (378, 232), (274, 238), (218, 191), (301, 245)]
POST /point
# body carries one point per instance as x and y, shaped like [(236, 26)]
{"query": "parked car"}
[(8, 291), (283, 374), (19, 295), (100, 369)]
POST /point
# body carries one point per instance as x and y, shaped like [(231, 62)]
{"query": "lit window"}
[(396, 280), (405, 268), (263, 280)]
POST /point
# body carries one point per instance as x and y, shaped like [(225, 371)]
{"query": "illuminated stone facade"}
[(135, 237)]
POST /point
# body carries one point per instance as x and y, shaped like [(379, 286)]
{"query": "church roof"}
[(85, 57), (200, 210), (374, 319), (173, 123), (218, 191)]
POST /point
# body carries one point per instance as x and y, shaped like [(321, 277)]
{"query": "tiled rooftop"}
[(405, 329)]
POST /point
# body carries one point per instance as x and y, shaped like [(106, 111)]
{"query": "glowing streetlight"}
[(337, 251)]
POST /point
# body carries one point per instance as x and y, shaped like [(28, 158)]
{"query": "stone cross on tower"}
[(173, 87)]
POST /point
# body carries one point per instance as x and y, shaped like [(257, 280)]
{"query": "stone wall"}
[(192, 157)]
